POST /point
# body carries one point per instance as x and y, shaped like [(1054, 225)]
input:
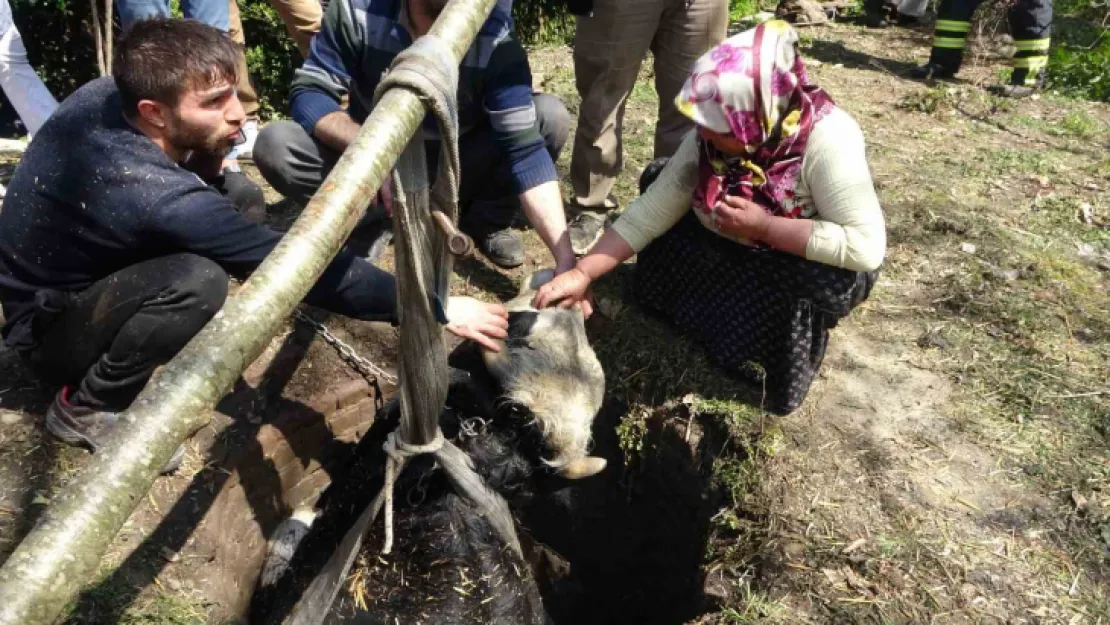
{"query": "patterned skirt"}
[(761, 315)]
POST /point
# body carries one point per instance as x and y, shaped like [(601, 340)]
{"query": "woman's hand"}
[(742, 218), (478, 321), (567, 289)]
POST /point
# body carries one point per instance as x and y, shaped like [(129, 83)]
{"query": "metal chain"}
[(364, 367)]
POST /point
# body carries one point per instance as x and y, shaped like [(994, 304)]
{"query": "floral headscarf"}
[(754, 86)]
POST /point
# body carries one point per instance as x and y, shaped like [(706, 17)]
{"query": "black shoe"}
[(84, 427), (931, 71), (1019, 91), (651, 172), (585, 229), (908, 21), (503, 246), (1016, 92)]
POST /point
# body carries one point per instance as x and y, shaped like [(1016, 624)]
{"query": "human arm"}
[(848, 231), (573, 286), (647, 217), (737, 217), (201, 221), (336, 130), (206, 224), (325, 78), (543, 206), (515, 126)]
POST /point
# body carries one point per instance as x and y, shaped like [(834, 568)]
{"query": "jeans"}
[(212, 12)]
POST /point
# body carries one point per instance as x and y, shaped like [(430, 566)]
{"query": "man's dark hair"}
[(161, 58)]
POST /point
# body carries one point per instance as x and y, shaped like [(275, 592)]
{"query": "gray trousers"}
[(296, 164), (609, 46)]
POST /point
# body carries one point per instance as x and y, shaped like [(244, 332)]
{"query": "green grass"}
[(742, 8), (112, 602)]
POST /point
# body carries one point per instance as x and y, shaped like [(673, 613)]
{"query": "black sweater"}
[(93, 195)]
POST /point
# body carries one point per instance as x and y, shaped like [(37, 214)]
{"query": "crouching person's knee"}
[(200, 287), (554, 122), (274, 151)]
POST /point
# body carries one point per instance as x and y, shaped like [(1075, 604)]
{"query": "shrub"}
[(59, 43), (1079, 63)]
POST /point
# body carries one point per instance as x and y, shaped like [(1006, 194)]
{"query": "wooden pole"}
[(55, 560), (98, 38), (109, 33)]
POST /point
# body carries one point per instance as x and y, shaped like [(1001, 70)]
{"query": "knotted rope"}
[(398, 452), (424, 263)]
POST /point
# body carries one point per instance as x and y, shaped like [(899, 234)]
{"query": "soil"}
[(270, 447), (904, 490)]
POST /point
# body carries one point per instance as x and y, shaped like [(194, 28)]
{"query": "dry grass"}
[(951, 465)]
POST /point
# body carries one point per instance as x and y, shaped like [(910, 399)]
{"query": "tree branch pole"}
[(109, 35), (98, 38), (56, 559)]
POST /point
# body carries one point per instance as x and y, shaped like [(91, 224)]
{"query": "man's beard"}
[(186, 138)]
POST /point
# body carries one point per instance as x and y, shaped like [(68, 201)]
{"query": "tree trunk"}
[(109, 33), (57, 558), (98, 38)]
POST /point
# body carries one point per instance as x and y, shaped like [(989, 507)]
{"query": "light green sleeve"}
[(666, 201), (849, 230)]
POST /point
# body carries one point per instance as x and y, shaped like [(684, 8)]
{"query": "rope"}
[(424, 264), (398, 452)]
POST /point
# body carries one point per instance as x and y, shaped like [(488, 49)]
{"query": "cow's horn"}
[(583, 467)]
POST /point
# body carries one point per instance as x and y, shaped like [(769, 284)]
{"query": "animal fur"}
[(547, 366), (448, 566), (283, 544)]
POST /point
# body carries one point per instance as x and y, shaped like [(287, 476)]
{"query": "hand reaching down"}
[(566, 290), (478, 321)]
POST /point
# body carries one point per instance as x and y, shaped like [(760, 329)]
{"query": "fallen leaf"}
[(1079, 500), (855, 581), (836, 578), (1087, 213), (856, 544)]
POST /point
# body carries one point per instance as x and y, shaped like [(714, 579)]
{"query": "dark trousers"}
[(1030, 26), (295, 164), (107, 340)]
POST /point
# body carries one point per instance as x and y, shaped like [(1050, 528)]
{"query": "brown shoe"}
[(84, 427)]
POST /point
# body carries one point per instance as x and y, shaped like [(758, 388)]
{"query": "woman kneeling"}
[(763, 230)]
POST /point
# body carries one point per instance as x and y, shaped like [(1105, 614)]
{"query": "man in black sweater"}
[(114, 252)]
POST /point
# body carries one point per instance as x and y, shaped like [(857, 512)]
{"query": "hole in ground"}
[(634, 536), (639, 532)]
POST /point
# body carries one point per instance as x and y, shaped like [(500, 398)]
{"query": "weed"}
[(928, 101)]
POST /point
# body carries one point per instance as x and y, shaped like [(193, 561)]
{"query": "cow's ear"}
[(495, 361), (521, 324)]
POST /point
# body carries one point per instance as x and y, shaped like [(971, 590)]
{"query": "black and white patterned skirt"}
[(762, 315)]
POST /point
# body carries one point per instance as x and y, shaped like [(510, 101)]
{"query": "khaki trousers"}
[(247, 95), (302, 21), (609, 47)]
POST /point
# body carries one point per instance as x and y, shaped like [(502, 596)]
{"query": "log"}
[(63, 552)]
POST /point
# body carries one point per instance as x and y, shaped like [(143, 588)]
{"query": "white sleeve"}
[(849, 231), (665, 201)]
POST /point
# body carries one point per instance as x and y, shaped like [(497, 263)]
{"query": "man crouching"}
[(114, 252)]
